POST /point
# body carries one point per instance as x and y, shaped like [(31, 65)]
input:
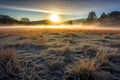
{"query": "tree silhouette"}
[(114, 14), (70, 22), (25, 20), (103, 16), (92, 17)]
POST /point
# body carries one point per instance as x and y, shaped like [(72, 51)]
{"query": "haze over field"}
[(74, 27)]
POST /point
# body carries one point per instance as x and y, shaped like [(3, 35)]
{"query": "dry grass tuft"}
[(67, 50), (103, 38), (8, 55), (56, 65), (10, 68), (114, 44), (64, 51), (86, 67)]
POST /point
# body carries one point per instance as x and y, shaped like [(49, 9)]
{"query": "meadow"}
[(59, 54)]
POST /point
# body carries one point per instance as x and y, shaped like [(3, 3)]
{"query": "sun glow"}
[(54, 18)]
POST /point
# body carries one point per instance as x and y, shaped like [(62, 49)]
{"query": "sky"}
[(67, 9)]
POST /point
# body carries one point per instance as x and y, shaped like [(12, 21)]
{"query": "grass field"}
[(59, 54)]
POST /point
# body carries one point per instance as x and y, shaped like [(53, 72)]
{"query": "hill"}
[(7, 20)]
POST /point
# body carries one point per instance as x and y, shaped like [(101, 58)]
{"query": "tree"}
[(70, 22), (103, 16), (114, 14), (25, 20), (92, 17)]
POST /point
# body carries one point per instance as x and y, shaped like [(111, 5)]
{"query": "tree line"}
[(112, 19)]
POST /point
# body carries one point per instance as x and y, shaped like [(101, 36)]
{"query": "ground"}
[(58, 54)]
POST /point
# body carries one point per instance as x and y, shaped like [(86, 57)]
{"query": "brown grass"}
[(8, 55), (10, 68), (114, 44), (85, 69), (79, 57), (67, 50)]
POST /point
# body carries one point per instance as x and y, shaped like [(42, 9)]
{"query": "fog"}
[(65, 27)]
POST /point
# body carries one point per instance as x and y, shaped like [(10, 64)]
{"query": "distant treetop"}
[(92, 16), (25, 20)]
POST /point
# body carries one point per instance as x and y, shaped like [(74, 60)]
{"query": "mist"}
[(74, 27)]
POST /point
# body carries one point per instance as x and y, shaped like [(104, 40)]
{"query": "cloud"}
[(71, 7)]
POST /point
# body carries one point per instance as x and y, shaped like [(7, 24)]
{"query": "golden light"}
[(54, 18)]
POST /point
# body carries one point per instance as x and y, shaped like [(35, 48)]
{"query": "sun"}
[(54, 18)]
